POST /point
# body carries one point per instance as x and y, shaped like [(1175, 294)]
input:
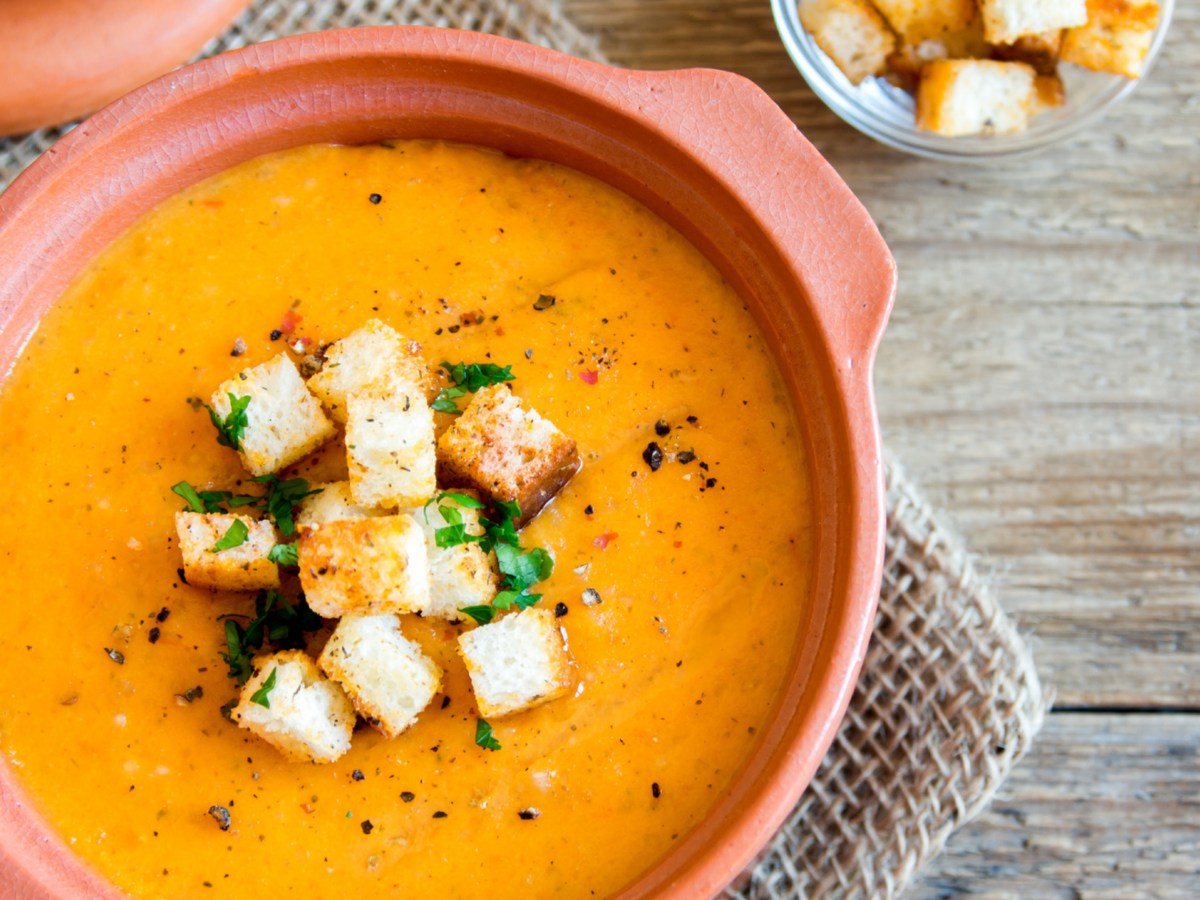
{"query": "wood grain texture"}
[(1103, 807), (1041, 380)]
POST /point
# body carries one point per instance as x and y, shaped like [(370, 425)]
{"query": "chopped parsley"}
[(444, 401), (279, 502), (519, 569), (484, 737), (481, 614), (520, 572), (237, 534), (263, 695), (211, 501), (468, 378), (284, 555), (232, 428), (281, 499), (276, 620)]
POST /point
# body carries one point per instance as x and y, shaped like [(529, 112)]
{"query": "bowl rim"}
[(835, 91), (681, 111)]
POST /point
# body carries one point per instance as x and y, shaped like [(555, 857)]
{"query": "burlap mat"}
[(949, 698)]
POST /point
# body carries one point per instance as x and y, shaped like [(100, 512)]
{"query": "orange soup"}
[(113, 682)]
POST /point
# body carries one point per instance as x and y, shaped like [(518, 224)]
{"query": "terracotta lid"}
[(63, 59)]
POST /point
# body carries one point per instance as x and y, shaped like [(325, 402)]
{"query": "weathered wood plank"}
[(1104, 806), (1054, 408)]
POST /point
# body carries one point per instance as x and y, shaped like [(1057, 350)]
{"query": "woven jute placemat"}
[(949, 698)]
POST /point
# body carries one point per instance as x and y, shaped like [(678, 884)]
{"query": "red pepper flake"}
[(212, 204), (677, 544), (291, 319), (306, 807), (604, 540), (589, 376)]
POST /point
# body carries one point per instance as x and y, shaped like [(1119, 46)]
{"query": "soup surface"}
[(700, 566)]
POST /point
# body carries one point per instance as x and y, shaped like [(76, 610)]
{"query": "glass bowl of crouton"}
[(968, 80)]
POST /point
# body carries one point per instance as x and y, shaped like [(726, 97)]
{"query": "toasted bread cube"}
[(462, 575), (905, 64), (1004, 21), (309, 717), (389, 445), (373, 352), (335, 502), (364, 566), (918, 20), (502, 448), (1116, 37), (241, 568), (284, 421), (852, 34), (517, 662), (387, 677), (975, 96), (1049, 92), (1037, 50)]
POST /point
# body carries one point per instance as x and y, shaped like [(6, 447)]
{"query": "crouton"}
[(1049, 92), (1115, 39), (390, 448), (284, 421), (852, 34), (361, 358), (241, 568), (462, 575), (361, 566), (334, 503), (1004, 21), (304, 715), (918, 20), (387, 677), (1037, 50), (517, 662), (975, 96), (905, 63), (502, 448)]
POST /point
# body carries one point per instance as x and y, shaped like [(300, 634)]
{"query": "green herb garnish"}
[(468, 378), (263, 694), (282, 623), (481, 614), (484, 737), (281, 499), (237, 656), (231, 429), (211, 501), (444, 402), (519, 570), (455, 531), (234, 537), (284, 555)]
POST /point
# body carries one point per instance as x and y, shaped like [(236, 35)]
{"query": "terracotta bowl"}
[(708, 151)]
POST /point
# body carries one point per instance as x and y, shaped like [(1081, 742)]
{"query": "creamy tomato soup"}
[(112, 684)]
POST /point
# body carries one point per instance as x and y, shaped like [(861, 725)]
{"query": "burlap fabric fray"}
[(949, 698)]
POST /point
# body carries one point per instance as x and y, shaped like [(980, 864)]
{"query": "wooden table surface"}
[(1040, 379)]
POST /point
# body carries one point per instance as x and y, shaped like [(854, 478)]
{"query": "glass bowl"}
[(885, 112)]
